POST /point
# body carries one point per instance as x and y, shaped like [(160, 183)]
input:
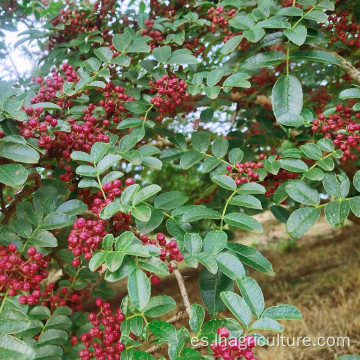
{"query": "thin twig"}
[(182, 287)]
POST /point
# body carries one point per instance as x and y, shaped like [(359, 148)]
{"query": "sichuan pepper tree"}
[(148, 133)]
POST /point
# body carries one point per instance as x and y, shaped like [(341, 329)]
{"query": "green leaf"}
[(327, 164), (251, 257), (124, 240), (61, 322), (98, 151), (235, 155), (104, 54), (243, 221), (154, 265), (312, 151), (355, 205), (283, 312), (197, 316), (237, 80), (267, 324), (92, 64), (72, 207), (13, 175), (231, 44), (281, 213), (293, 165), (163, 330), (137, 250), (353, 93), (12, 319), (43, 238), (145, 193), (18, 152), (114, 260), (53, 337), (252, 294), (274, 23), (200, 212), (193, 242), (46, 106), (230, 265), (49, 352), (139, 288), (97, 260), (242, 22), (220, 147), (141, 212), (207, 260), (287, 98), (337, 186), (238, 307), (247, 201), (224, 181), (139, 45), (122, 41), (107, 162), (212, 92), (211, 285), (251, 188), (190, 158), (86, 170), (162, 54), (182, 59), (303, 193), (296, 35), (356, 180), (200, 141), (57, 220), (13, 348), (316, 15), (301, 220), (209, 330), (210, 163), (40, 312), (80, 156), (170, 200), (337, 212), (291, 11), (159, 305), (315, 56), (129, 193), (254, 35), (326, 145), (215, 241), (263, 60)]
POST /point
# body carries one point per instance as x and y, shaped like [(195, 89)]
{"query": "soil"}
[(320, 274)]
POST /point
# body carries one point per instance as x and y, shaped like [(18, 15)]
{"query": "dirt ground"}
[(320, 274)]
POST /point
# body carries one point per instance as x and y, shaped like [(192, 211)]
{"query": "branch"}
[(346, 65), (182, 288)]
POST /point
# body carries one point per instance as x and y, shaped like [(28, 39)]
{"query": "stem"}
[(302, 17), (182, 287), (146, 114), (3, 301), (225, 207), (312, 167)]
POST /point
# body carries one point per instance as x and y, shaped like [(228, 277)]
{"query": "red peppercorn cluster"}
[(156, 35), (102, 341), (218, 19), (344, 28), (234, 348), (170, 93), (63, 297), (341, 129), (21, 275), (85, 237), (35, 125), (290, 3), (114, 103), (321, 97), (193, 46), (244, 172), (168, 251)]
